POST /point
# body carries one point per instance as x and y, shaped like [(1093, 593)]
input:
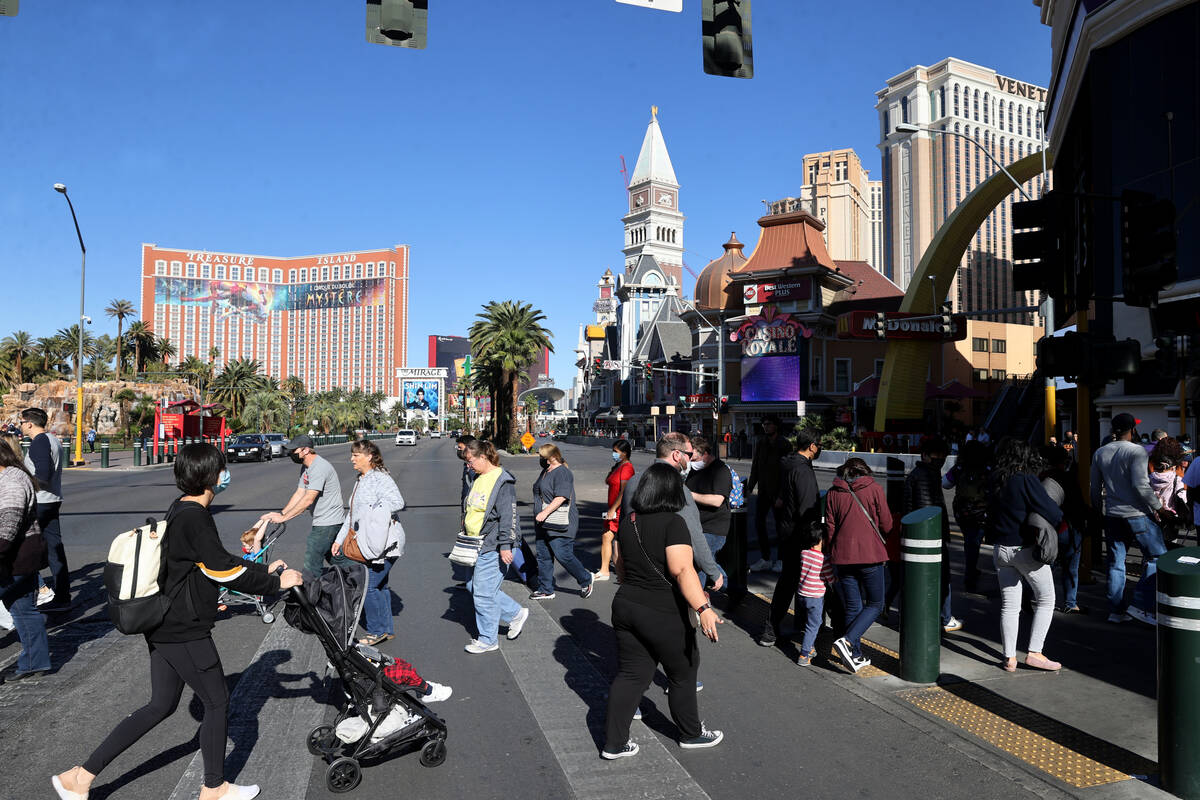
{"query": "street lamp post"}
[(77, 461), (720, 348)]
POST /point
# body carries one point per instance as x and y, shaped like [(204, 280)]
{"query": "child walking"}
[(815, 573)]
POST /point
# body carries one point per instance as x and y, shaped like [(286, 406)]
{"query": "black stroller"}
[(329, 607)]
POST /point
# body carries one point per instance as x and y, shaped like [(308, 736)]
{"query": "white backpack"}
[(136, 564)]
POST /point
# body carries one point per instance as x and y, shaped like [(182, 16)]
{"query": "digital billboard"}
[(449, 352), (771, 378), (254, 301), (421, 398)]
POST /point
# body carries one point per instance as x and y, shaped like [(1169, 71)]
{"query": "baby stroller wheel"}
[(321, 740), (343, 775), (433, 753), (268, 617)]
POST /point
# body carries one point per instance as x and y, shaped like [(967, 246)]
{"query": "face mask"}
[(294, 456), (695, 465), (222, 482), (685, 469), (938, 463), (544, 462), (616, 456), (462, 455)]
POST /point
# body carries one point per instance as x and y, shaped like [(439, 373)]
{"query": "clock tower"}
[(654, 225)]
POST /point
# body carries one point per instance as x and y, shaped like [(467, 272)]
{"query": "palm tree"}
[(237, 381), (120, 309), (264, 411), (293, 390), (70, 342), (123, 397), (16, 347), (214, 353), (166, 349), (141, 336), (509, 336), (50, 349), (197, 372)]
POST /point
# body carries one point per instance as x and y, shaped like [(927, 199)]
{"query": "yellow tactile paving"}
[(1055, 758)]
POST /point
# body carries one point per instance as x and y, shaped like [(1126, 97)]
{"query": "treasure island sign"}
[(770, 333)]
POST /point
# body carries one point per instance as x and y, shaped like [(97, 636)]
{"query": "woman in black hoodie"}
[(181, 648)]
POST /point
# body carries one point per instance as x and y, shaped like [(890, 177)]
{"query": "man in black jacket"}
[(766, 472), (801, 506), (923, 487)]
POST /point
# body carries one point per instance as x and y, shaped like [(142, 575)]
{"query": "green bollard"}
[(160, 454), (920, 616), (1179, 671), (137, 456), (25, 448), (104, 455)]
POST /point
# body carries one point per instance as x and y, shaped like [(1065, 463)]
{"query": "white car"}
[(406, 437), (435, 434)]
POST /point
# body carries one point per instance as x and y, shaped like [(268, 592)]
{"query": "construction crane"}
[(624, 172)]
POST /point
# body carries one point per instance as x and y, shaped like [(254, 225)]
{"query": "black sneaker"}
[(845, 653), (706, 738), (540, 595), (630, 749), (767, 638), (586, 591)]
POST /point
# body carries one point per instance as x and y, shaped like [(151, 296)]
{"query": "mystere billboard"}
[(253, 301)]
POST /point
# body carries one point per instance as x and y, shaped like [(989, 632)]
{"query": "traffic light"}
[(1039, 245), (399, 23), (728, 47), (1087, 359), (1166, 356), (1147, 247), (880, 325), (716, 407), (597, 366), (648, 370), (724, 403), (944, 327)]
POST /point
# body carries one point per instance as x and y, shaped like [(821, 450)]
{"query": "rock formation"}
[(100, 410)]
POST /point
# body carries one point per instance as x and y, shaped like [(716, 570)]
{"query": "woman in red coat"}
[(856, 521)]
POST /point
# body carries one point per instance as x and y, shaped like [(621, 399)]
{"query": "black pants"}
[(787, 584), (647, 637), (172, 665), (763, 504), (56, 554)]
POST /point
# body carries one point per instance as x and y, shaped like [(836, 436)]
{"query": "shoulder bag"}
[(466, 549), (559, 517), (870, 519), (693, 616)]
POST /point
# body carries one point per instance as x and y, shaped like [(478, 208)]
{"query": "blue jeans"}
[(1069, 549), (560, 549), (18, 595), (492, 606), (715, 543), (377, 606), (862, 592), (1120, 532), (56, 553), (813, 608)]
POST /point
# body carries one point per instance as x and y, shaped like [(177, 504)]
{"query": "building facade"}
[(838, 192), (338, 320), (654, 224), (927, 173)]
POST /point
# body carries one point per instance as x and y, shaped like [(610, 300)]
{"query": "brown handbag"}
[(350, 547)]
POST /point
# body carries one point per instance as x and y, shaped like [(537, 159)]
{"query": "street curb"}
[(147, 467)]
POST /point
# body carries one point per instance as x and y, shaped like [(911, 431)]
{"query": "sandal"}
[(371, 641)]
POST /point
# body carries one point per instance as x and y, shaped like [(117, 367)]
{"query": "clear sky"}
[(276, 129)]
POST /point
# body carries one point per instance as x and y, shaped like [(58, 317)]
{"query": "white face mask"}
[(685, 469), (695, 465), (616, 456)]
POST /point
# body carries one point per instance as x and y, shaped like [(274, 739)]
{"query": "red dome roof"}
[(714, 279)]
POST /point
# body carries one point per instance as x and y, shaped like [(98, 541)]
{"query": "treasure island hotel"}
[(334, 321)]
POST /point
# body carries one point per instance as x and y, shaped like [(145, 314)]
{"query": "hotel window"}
[(887, 122), (220, 272), (304, 275), (190, 271), (956, 113), (904, 109), (841, 376), (1029, 120), (841, 170), (160, 267), (941, 101), (358, 270), (998, 374), (291, 276), (979, 344), (987, 99), (812, 172), (235, 273), (324, 273), (176, 268), (205, 271), (999, 345), (975, 106), (278, 278), (1010, 116), (1020, 123), (980, 374)]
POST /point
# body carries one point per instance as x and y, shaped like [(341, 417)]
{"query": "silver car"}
[(278, 441)]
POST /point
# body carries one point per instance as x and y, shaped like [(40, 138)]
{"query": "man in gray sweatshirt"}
[(1120, 470)]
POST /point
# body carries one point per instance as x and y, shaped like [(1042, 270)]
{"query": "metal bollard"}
[(733, 555), (170, 451), (160, 452), (137, 456), (1178, 660), (104, 455), (25, 448), (920, 615)]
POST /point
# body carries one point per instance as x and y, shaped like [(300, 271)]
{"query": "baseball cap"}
[(1124, 422), (296, 442)]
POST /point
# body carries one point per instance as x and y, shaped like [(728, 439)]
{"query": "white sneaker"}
[(6, 620), (762, 565), (438, 692), (845, 653), (955, 624), (601, 576), (1142, 616), (475, 647), (515, 627), (45, 595), (630, 749), (777, 567), (235, 792)]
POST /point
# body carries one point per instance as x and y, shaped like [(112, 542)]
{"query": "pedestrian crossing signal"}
[(880, 325), (399, 23), (728, 46)]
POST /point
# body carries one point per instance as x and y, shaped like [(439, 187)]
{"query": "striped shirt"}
[(815, 572)]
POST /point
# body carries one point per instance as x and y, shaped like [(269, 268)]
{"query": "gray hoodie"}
[(1120, 469), (691, 515), (501, 523)]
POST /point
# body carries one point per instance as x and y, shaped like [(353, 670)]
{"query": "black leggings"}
[(647, 637), (172, 665)]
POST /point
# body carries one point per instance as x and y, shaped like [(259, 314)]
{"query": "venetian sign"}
[(770, 333)]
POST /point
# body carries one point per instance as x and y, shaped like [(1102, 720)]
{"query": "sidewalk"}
[(1089, 730)]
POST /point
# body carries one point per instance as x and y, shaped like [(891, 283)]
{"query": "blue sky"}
[(275, 129)]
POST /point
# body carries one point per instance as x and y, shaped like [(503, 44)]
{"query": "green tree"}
[(18, 347), (166, 349), (508, 336), (70, 343), (141, 337), (120, 309), (197, 372), (238, 380), (124, 398), (264, 411)]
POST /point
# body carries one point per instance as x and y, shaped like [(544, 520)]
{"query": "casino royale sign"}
[(770, 333)]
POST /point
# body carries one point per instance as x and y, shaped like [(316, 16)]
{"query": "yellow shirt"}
[(477, 501)]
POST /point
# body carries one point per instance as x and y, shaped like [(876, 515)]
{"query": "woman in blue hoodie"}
[(490, 512)]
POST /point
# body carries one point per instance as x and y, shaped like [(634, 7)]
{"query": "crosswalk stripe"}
[(268, 724), (552, 673)]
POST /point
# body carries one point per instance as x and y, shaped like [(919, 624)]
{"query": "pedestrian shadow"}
[(582, 675), (84, 622), (161, 761)]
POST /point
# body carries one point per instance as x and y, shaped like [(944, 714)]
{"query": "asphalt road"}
[(522, 721)]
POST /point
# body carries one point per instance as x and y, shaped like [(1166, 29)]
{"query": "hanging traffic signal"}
[(1166, 356), (716, 407), (597, 366), (1088, 359), (1039, 244), (399, 23), (724, 403), (1148, 262), (728, 47), (648, 370), (880, 325), (944, 326)]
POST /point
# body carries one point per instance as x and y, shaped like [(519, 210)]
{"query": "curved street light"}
[(78, 461)]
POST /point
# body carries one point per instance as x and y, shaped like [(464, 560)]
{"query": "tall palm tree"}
[(237, 381), (509, 335), (214, 353), (166, 349), (70, 341), (16, 347), (120, 309), (264, 411), (197, 372), (293, 391), (141, 336), (50, 349)]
